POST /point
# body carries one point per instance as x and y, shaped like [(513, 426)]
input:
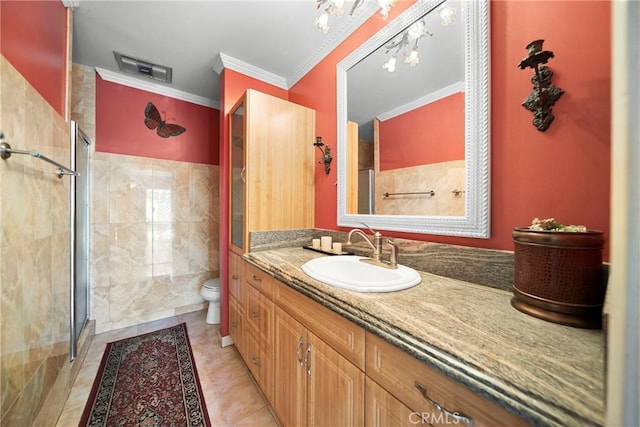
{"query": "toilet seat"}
[(213, 284)]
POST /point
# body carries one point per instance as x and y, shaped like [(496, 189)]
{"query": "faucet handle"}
[(393, 258)]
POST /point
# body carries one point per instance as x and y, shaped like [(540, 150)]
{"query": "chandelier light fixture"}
[(336, 7), (407, 45)]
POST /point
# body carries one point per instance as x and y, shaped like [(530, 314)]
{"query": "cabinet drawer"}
[(235, 277), (403, 375), (343, 335), (259, 279)]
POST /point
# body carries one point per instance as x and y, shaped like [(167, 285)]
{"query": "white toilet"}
[(210, 291)]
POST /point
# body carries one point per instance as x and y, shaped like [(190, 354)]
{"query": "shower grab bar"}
[(430, 193), (6, 151)]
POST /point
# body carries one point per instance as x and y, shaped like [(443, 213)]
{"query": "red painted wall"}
[(563, 172), (33, 38), (120, 125), (232, 87), (433, 133)]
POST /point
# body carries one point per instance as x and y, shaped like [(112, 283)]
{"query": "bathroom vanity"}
[(324, 355)]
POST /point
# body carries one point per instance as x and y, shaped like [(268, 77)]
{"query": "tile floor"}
[(231, 396)]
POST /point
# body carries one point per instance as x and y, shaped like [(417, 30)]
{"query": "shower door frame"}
[(79, 140)]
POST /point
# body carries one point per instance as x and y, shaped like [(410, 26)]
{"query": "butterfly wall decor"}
[(153, 120)]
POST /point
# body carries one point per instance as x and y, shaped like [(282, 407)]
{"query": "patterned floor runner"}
[(147, 380)]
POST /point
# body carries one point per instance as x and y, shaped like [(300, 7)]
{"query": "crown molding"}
[(71, 3), (225, 61), (422, 101), (149, 86), (335, 36)]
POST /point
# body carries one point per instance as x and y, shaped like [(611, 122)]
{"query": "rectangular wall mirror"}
[(413, 123)]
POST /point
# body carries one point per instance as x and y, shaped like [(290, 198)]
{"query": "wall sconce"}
[(326, 154), (544, 94)]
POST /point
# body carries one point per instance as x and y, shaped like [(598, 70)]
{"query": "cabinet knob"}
[(254, 314), (456, 416), (255, 361), (234, 324), (256, 278), (234, 277)]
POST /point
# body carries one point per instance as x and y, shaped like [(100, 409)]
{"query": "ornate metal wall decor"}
[(544, 94)]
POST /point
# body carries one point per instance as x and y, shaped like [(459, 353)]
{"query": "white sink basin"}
[(348, 272)]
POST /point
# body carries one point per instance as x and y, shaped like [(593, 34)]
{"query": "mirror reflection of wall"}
[(408, 103)]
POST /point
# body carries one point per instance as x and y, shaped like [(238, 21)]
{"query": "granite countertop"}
[(548, 373)]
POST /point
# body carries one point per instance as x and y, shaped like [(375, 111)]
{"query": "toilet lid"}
[(212, 284)]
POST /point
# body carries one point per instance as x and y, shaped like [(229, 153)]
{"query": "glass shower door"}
[(79, 235)]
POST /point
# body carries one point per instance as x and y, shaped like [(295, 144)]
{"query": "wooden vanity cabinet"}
[(420, 388), (314, 385), (271, 167)]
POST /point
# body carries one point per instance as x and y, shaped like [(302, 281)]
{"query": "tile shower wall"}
[(34, 249), (154, 238), (154, 228)]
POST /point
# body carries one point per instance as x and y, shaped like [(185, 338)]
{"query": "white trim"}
[(225, 61), (225, 341), (149, 86), (421, 102), (333, 39), (71, 3), (476, 221)]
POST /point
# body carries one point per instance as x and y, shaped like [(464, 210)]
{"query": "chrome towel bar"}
[(6, 151)]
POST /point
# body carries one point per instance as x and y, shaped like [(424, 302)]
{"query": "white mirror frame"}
[(476, 221)]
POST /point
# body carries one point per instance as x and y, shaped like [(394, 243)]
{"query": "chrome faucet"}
[(376, 241)]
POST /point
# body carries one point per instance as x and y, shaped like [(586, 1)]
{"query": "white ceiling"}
[(273, 39)]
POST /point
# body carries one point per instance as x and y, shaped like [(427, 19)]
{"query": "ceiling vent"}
[(144, 68)]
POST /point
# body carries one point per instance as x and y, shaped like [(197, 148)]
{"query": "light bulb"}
[(412, 59), (390, 65), (322, 22)]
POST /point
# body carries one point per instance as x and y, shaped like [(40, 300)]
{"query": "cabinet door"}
[(237, 176), (335, 388), (237, 326), (384, 410), (260, 362), (260, 316), (289, 394), (236, 285)]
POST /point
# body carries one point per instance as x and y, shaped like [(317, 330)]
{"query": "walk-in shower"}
[(79, 211)]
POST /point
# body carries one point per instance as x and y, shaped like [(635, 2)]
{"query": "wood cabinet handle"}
[(234, 324), (256, 278), (457, 416), (235, 277), (307, 361)]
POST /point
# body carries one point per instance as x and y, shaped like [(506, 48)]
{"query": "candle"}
[(325, 243), (337, 247), (315, 243)]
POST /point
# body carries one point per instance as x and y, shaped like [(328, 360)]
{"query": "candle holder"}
[(544, 94), (326, 154)]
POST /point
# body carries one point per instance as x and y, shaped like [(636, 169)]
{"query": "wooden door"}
[(237, 326), (290, 379), (384, 410), (335, 388)]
